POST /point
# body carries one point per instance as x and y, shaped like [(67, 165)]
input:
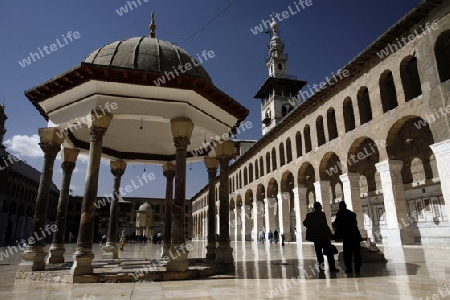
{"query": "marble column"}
[(111, 249), (68, 158), (237, 224), (298, 219), (284, 213), (83, 256), (258, 221), (352, 197), (303, 206), (232, 229), (33, 259), (211, 165), (246, 223), (442, 154), (224, 252), (169, 172), (269, 214), (323, 196), (395, 203), (178, 258)]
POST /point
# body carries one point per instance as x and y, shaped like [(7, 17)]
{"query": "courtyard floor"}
[(262, 271)]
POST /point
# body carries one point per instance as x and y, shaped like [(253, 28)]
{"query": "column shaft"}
[(110, 251), (224, 252), (352, 197), (34, 256), (323, 196), (57, 248), (211, 247), (169, 172), (394, 202), (83, 255), (285, 215)]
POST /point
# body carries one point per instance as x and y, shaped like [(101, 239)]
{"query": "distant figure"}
[(282, 239), (276, 236), (123, 240), (70, 237), (317, 231), (270, 236), (261, 236), (104, 238), (347, 230)]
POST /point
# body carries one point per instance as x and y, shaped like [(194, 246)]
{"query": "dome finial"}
[(152, 26)]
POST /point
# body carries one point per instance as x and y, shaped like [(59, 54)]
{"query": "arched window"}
[(331, 124), (245, 176), (298, 143), (349, 115), (256, 169), (388, 92), (267, 162), (442, 53), (261, 166), (274, 159), (288, 150), (365, 109), (250, 173), (240, 179), (307, 135), (320, 131), (282, 159), (410, 78), (280, 67)]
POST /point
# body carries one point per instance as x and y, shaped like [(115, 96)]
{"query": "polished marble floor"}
[(263, 271)]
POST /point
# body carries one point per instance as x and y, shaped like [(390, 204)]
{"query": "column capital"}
[(169, 170), (211, 163), (181, 142), (68, 167), (389, 165), (50, 149), (321, 183), (117, 167), (50, 141), (441, 149), (97, 133), (351, 177), (69, 155)]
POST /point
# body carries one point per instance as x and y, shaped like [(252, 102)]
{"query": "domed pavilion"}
[(112, 105)]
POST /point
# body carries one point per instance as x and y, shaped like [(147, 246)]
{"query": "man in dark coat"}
[(317, 231), (347, 230)]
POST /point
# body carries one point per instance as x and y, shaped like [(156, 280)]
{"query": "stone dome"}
[(145, 207), (147, 54)]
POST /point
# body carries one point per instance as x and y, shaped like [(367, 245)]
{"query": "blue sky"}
[(320, 39)]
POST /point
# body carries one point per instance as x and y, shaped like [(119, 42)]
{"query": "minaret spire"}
[(152, 26)]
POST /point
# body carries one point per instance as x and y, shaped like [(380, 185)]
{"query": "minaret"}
[(279, 90)]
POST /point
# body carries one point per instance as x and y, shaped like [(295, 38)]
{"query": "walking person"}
[(317, 231), (282, 239), (123, 240), (346, 227), (270, 236), (261, 236), (70, 237), (276, 236)]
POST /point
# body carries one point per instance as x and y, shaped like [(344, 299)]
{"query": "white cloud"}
[(28, 146), (25, 146)]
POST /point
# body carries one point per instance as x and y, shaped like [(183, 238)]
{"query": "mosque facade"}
[(374, 134)]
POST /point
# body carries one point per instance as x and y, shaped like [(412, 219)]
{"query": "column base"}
[(165, 250), (56, 254), (178, 260), (33, 259), (110, 251), (211, 252), (82, 262), (224, 254)]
